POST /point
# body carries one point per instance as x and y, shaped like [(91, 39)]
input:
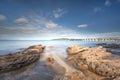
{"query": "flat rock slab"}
[(18, 60)]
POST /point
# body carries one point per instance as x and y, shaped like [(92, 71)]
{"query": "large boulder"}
[(18, 60), (95, 59)]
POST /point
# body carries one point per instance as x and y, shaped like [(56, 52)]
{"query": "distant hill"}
[(66, 39), (90, 39), (61, 39)]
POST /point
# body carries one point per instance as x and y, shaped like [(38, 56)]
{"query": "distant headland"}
[(90, 39)]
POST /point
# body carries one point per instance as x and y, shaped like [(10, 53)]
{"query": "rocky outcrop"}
[(20, 59), (88, 54), (113, 46), (94, 59)]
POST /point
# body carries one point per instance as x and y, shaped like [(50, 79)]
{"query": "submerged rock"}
[(113, 52), (94, 59), (50, 60), (114, 46), (18, 60)]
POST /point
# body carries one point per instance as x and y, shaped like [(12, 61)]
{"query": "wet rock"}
[(101, 44), (94, 59), (114, 46), (113, 52), (18, 60), (50, 60)]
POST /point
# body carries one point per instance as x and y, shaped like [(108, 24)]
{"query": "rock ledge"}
[(94, 59), (18, 60)]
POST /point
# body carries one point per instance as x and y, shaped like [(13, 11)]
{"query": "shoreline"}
[(68, 71)]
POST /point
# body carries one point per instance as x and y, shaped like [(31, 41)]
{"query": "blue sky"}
[(47, 19)]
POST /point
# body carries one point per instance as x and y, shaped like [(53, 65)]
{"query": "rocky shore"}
[(113, 45), (84, 63), (111, 48), (94, 62), (18, 60)]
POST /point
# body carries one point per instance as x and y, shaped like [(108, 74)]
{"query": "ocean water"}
[(39, 70), (7, 46)]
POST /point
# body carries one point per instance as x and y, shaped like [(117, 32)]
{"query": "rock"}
[(76, 49), (50, 60), (106, 68), (88, 54), (75, 77), (118, 78), (18, 60), (113, 52), (101, 44), (114, 46), (94, 59)]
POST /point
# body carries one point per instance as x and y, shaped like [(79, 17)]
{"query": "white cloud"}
[(97, 9), (58, 13), (2, 17), (21, 20), (43, 21), (39, 27), (50, 24), (82, 25), (107, 3), (33, 32)]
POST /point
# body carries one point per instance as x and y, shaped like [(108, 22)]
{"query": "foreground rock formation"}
[(20, 59), (94, 60)]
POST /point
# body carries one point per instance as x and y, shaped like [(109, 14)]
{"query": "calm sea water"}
[(39, 70), (7, 46)]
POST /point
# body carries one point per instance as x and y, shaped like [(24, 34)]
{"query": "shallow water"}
[(41, 70)]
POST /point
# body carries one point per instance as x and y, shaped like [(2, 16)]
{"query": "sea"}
[(39, 70)]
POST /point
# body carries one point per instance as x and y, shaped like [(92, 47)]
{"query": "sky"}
[(48, 19)]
